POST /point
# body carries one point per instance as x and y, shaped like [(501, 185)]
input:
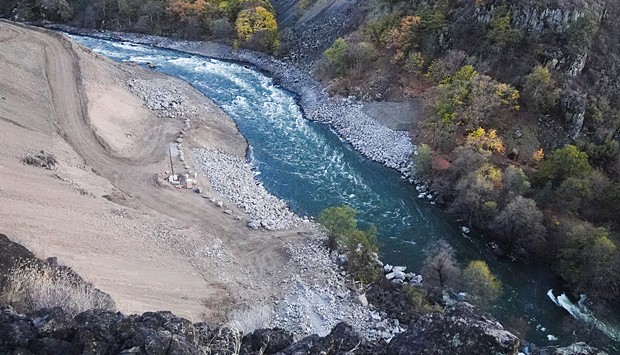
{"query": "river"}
[(307, 165)]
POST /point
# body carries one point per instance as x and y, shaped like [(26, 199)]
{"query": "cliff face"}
[(542, 16)]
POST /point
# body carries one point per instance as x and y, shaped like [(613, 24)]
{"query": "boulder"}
[(253, 224), (461, 329), (387, 268), (573, 349), (269, 341), (399, 275), (399, 268), (390, 276), (416, 280), (361, 300)]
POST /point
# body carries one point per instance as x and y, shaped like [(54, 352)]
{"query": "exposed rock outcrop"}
[(461, 329)]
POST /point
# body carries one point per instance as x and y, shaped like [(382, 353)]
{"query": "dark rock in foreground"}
[(461, 329)]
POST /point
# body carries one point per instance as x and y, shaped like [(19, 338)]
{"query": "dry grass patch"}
[(33, 286)]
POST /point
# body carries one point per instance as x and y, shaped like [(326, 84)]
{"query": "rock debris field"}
[(233, 178)]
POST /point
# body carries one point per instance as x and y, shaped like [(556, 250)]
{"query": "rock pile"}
[(161, 96), (369, 137), (319, 298), (397, 275), (233, 178)]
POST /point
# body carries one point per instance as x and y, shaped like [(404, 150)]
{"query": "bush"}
[(361, 246), (440, 268), (423, 160), (31, 287), (418, 301), (521, 224), (483, 287), (564, 163)]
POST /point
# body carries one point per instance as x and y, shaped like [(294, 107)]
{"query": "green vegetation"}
[(360, 246), (503, 100), (483, 287)]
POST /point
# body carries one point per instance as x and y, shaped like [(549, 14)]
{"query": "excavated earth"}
[(103, 208)]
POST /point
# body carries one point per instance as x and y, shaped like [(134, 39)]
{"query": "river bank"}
[(345, 115)]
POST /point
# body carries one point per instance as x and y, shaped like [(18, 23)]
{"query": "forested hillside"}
[(248, 23), (522, 118)]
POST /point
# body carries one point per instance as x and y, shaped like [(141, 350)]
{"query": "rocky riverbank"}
[(233, 178), (345, 115)]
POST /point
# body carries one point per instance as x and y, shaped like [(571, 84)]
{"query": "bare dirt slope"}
[(153, 247)]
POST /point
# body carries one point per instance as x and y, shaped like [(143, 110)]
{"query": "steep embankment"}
[(100, 209)]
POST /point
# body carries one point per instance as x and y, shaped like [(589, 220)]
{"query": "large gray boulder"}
[(461, 329)]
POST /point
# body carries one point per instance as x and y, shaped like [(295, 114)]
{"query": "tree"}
[(258, 25), (573, 192), (521, 224), (477, 193), (501, 31), (483, 287), (361, 246), (588, 259), (540, 90), (515, 180), (337, 54), (339, 222), (564, 163), (470, 99), (440, 267)]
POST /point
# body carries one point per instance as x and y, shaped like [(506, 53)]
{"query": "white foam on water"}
[(128, 46), (580, 312)]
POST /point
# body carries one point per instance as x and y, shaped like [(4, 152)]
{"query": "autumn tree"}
[(401, 38), (440, 267), (485, 142), (258, 26), (483, 287)]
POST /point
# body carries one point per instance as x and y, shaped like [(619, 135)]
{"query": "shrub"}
[(423, 160), (521, 224), (418, 301), (440, 268), (483, 287), (248, 320), (564, 163), (31, 287)]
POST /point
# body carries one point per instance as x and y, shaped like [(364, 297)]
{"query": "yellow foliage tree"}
[(258, 20), (481, 284), (485, 141)]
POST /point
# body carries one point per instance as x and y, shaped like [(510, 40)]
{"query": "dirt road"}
[(153, 247)]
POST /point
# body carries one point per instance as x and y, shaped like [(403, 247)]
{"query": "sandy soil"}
[(154, 247)]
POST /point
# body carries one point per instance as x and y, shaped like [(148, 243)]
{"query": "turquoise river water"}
[(311, 168)]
